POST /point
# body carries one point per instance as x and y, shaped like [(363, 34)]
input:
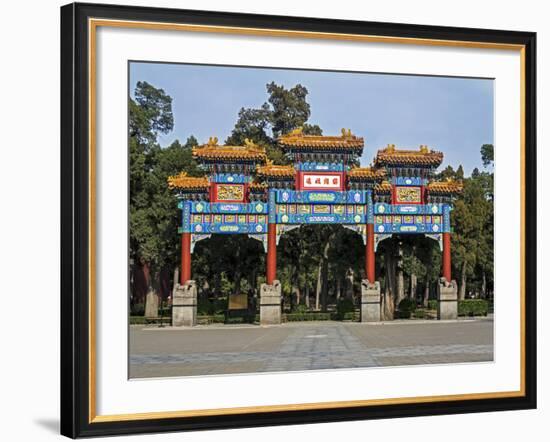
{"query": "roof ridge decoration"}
[(297, 139), (185, 182), (393, 157), (211, 151), (383, 187), (276, 170), (448, 187), (367, 174)]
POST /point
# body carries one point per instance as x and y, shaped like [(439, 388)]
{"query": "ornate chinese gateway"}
[(243, 192)]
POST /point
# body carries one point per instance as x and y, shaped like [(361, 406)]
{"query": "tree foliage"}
[(154, 241), (284, 111), (487, 154), (472, 239)]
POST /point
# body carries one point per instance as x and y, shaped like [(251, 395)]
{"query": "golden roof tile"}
[(383, 187), (297, 139), (390, 156), (447, 187), (184, 182), (271, 170), (213, 152), (367, 174)]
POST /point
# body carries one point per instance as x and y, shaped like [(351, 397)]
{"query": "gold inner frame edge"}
[(93, 24)]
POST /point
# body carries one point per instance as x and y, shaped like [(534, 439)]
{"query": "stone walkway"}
[(157, 352)]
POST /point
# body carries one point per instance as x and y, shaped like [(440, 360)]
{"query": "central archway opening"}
[(228, 270), (320, 268)]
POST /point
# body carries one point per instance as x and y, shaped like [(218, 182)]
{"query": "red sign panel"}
[(321, 180)]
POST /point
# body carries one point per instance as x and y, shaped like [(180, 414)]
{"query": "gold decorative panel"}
[(230, 192), (408, 195)]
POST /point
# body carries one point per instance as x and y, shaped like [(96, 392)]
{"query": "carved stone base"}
[(447, 297), (184, 305), (270, 303), (152, 305), (370, 301)]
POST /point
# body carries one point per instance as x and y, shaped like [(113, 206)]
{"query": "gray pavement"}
[(224, 349)]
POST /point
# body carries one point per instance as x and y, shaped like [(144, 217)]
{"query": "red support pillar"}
[(185, 257), (271, 253), (370, 256), (447, 256)]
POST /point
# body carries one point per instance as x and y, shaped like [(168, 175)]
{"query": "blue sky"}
[(454, 115)]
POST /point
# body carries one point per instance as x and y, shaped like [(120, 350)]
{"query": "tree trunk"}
[(349, 284), (291, 284), (318, 288), (338, 288), (426, 292), (324, 278), (217, 284), (147, 274), (414, 283), (388, 302), (324, 285), (252, 277), (462, 289), (298, 295), (140, 282), (483, 285), (306, 296), (400, 283), (237, 283), (237, 272)]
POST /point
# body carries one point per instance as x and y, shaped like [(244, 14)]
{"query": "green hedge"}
[(467, 307), (223, 319), (420, 313), (313, 316), (343, 308), (242, 319), (142, 320), (473, 307), (348, 316), (137, 309), (406, 308), (301, 308), (432, 304), (210, 319), (236, 320)]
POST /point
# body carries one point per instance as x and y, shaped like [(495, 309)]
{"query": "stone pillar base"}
[(447, 297), (152, 305), (370, 301), (184, 305), (270, 303)]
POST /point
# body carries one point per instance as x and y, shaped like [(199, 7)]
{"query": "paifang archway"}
[(245, 193)]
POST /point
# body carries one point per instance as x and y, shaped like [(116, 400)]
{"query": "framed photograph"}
[(273, 220)]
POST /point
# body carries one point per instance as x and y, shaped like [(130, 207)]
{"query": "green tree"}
[(150, 113), (284, 111), (289, 108), (154, 241), (472, 239), (487, 154), (253, 124)]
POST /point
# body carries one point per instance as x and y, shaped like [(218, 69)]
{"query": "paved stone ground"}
[(208, 350)]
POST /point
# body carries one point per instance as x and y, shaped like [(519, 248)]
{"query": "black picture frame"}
[(75, 221)]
